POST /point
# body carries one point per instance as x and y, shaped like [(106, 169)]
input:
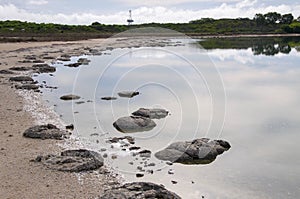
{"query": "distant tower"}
[(130, 20)]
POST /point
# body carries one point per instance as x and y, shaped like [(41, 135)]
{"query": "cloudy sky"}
[(144, 11)]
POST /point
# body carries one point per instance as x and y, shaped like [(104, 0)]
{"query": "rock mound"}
[(72, 161), (48, 131)]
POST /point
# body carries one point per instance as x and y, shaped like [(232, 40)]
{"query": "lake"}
[(242, 90)]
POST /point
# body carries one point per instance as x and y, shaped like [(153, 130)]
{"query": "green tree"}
[(259, 19), (272, 17), (287, 19)]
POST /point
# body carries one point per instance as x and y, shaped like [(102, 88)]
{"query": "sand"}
[(19, 177)]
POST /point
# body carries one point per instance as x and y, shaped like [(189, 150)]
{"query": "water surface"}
[(245, 92)]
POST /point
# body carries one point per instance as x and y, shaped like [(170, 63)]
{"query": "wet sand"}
[(21, 178)]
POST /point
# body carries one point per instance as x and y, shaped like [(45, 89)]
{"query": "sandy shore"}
[(21, 178)]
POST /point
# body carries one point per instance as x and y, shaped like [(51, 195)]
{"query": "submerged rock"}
[(198, 151), (72, 160), (48, 131), (70, 97), (21, 79), (155, 113), (128, 94), (133, 124), (83, 61), (139, 190)]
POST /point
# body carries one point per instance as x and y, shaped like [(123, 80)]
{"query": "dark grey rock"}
[(155, 113), (133, 124), (128, 94), (28, 87), (73, 65), (44, 68), (72, 161), (80, 102), (70, 97), (21, 79), (48, 131), (20, 68), (139, 190), (108, 98), (83, 61), (6, 72), (30, 57), (134, 148), (70, 127), (63, 59), (118, 139), (198, 151), (145, 153)]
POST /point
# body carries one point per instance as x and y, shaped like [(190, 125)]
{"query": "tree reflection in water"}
[(268, 46)]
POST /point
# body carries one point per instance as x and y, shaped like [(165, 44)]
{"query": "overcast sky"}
[(143, 11)]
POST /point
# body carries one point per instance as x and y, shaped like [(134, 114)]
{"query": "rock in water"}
[(134, 124), (83, 61), (73, 65), (108, 98), (48, 131), (139, 190), (155, 113), (21, 79), (128, 94), (198, 151), (70, 97), (44, 68), (72, 160)]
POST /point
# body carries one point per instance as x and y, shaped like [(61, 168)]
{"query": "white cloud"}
[(38, 2), (160, 14), (165, 2)]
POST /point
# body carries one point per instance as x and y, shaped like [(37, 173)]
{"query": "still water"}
[(244, 91)]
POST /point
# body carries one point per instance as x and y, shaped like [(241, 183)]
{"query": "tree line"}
[(271, 22)]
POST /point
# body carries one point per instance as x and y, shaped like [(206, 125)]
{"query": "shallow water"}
[(222, 93)]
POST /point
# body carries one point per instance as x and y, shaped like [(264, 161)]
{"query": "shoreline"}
[(57, 40), (20, 177)]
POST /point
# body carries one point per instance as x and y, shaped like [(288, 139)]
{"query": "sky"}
[(143, 11)]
